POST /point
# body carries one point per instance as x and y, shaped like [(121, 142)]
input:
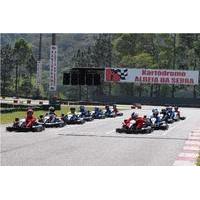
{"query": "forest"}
[(20, 52)]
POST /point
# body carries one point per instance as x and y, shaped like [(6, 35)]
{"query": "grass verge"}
[(198, 160), (7, 118)]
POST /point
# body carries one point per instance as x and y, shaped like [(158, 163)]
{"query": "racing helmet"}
[(170, 108), (114, 106), (106, 107), (96, 109), (51, 108), (163, 111), (155, 111), (72, 109), (134, 115), (82, 108), (16, 119), (29, 111), (176, 108)]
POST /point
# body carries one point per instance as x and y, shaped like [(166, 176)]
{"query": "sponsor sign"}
[(39, 73), (152, 76), (53, 68)]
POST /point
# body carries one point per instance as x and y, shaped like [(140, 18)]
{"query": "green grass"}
[(198, 160), (6, 118), (10, 117)]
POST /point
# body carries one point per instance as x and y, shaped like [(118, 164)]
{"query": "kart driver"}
[(108, 111), (156, 116), (83, 111), (73, 113), (30, 119), (177, 111), (51, 114), (139, 121), (115, 110), (170, 112)]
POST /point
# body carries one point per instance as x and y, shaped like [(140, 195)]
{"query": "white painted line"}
[(188, 155), (195, 134), (196, 131), (193, 138), (193, 148), (183, 163), (190, 142)]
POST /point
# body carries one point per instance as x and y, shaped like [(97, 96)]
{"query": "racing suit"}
[(30, 120), (52, 117), (108, 112), (73, 117), (158, 120), (171, 114), (139, 122), (115, 110)]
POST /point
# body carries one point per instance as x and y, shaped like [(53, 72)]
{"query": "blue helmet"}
[(155, 111), (96, 109), (134, 115), (82, 108)]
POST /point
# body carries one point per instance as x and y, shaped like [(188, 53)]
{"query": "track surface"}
[(97, 143)]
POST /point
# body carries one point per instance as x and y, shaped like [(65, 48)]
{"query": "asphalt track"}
[(96, 143)]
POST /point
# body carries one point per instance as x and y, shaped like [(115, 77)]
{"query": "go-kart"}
[(86, 116), (109, 114), (168, 120), (162, 125), (166, 117), (132, 130), (20, 127), (117, 113), (98, 115), (73, 119), (136, 105), (48, 123), (177, 117)]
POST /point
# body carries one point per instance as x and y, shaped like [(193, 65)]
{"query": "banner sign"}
[(152, 76), (53, 68), (39, 73)]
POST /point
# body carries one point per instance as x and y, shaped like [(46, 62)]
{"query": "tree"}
[(6, 69), (22, 51)]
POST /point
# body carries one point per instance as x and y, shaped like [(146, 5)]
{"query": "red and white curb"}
[(191, 149)]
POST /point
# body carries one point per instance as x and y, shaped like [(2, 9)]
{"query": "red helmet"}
[(30, 111)]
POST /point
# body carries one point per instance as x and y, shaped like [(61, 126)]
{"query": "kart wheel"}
[(37, 129), (10, 129), (61, 125), (119, 130)]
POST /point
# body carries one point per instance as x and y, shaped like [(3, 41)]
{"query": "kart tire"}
[(37, 129), (170, 121), (61, 125), (120, 130), (10, 129), (149, 131)]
